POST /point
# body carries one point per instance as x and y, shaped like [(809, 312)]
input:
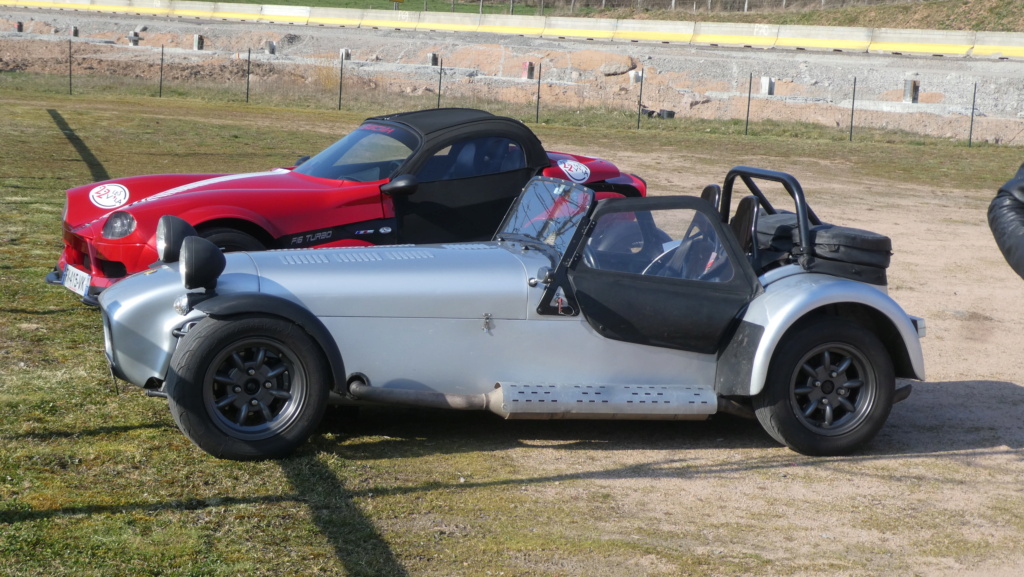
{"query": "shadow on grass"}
[(358, 546), (97, 432), (96, 168)]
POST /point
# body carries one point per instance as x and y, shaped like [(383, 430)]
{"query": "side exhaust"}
[(526, 401), (360, 390)]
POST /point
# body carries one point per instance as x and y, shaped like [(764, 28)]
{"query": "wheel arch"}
[(264, 304), (240, 224), (845, 300)]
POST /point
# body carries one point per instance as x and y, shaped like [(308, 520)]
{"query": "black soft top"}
[(432, 120), (439, 125)]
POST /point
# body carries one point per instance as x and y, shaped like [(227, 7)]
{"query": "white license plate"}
[(76, 280)]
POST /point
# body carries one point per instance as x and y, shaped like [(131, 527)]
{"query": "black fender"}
[(221, 306), (1006, 219)]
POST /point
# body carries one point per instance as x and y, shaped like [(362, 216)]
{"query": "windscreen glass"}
[(371, 152), (548, 212)]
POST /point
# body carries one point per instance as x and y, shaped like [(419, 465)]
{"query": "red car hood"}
[(580, 169), (87, 203)]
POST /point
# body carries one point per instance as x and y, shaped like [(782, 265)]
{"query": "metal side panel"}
[(573, 401)]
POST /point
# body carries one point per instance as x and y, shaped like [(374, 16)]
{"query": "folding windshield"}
[(371, 152), (547, 212)]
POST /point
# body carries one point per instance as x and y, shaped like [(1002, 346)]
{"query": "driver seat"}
[(744, 226), (465, 163)]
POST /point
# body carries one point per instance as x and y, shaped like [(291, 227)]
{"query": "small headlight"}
[(171, 231), (119, 225)]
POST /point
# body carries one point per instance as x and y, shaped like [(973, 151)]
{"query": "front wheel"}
[(246, 388), (830, 389)]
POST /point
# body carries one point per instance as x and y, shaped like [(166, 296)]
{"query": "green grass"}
[(96, 480)]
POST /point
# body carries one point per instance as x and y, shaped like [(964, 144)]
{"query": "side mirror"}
[(301, 160), (201, 263), (171, 231), (402, 185)]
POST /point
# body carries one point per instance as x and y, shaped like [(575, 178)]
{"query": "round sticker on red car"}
[(576, 171), (109, 195)]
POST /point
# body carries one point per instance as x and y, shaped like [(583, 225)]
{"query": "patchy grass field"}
[(96, 480)]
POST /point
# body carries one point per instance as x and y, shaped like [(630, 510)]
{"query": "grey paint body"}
[(459, 319)]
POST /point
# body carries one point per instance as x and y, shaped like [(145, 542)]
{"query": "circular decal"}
[(109, 195), (576, 171)]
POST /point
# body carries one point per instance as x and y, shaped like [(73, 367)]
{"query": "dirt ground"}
[(939, 493)]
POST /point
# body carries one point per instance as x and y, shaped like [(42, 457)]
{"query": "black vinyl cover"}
[(850, 245), (1006, 219), (775, 231)]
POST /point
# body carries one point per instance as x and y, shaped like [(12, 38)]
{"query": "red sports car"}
[(431, 176)]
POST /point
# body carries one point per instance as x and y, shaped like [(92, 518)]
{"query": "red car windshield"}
[(371, 152)]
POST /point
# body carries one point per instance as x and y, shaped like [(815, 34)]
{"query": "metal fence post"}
[(974, 102), (853, 106), (69, 68), (248, 69), (160, 94), (440, 75), (640, 100), (540, 69), (750, 93), (341, 76)]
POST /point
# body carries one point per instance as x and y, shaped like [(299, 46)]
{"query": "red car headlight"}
[(119, 225)]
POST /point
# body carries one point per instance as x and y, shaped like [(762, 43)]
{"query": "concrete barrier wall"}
[(926, 42), (284, 14), (516, 25), (437, 21), (735, 35), (237, 12), (998, 45), (335, 17), (155, 7), (654, 31), (202, 10), (828, 38), (879, 40), (585, 28), (390, 19)]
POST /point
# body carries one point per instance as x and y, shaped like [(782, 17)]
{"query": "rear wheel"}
[(829, 390), (250, 387), (232, 240)]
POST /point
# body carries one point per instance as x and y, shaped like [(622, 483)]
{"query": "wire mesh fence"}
[(639, 98)]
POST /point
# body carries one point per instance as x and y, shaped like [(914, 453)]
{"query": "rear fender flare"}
[(248, 303), (779, 311)]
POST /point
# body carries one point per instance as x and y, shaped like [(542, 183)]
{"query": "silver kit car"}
[(620, 308)]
